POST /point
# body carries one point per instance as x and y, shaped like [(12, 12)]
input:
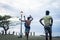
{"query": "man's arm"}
[(51, 21), (31, 18), (41, 21), (22, 20)]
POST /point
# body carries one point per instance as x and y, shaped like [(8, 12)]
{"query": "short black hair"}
[(47, 12), (28, 18)]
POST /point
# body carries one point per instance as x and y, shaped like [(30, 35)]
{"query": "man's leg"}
[(27, 35), (46, 32), (50, 34), (46, 36)]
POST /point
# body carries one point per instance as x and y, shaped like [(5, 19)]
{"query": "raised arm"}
[(41, 21), (22, 20), (31, 18)]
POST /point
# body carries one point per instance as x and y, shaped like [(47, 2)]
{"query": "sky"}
[(36, 8)]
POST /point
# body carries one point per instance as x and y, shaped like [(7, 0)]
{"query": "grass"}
[(14, 37)]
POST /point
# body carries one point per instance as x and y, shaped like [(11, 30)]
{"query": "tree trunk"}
[(5, 32)]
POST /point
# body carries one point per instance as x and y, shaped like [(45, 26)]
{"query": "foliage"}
[(4, 23)]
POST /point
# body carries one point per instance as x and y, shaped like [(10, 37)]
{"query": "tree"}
[(4, 23)]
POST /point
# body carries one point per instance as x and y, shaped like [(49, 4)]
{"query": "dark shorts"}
[(48, 29), (27, 29)]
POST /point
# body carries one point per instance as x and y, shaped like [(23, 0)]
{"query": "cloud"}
[(8, 9)]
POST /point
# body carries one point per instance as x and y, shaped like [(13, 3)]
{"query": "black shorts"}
[(27, 29), (48, 29)]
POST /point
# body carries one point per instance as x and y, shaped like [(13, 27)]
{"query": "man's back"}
[(47, 20), (28, 22)]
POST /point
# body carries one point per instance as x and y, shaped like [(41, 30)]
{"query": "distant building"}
[(30, 33), (9, 33), (33, 33), (13, 32)]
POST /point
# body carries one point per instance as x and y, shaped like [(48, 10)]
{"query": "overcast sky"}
[(36, 8)]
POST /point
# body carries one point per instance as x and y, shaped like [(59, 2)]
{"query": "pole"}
[(21, 26)]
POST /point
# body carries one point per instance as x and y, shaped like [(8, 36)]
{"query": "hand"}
[(19, 19), (50, 24)]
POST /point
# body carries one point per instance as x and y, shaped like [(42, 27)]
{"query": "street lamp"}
[(21, 25)]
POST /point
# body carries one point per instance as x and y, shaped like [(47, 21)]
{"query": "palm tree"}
[(4, 23)]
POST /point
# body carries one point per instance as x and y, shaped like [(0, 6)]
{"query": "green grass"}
[(14, 37)]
